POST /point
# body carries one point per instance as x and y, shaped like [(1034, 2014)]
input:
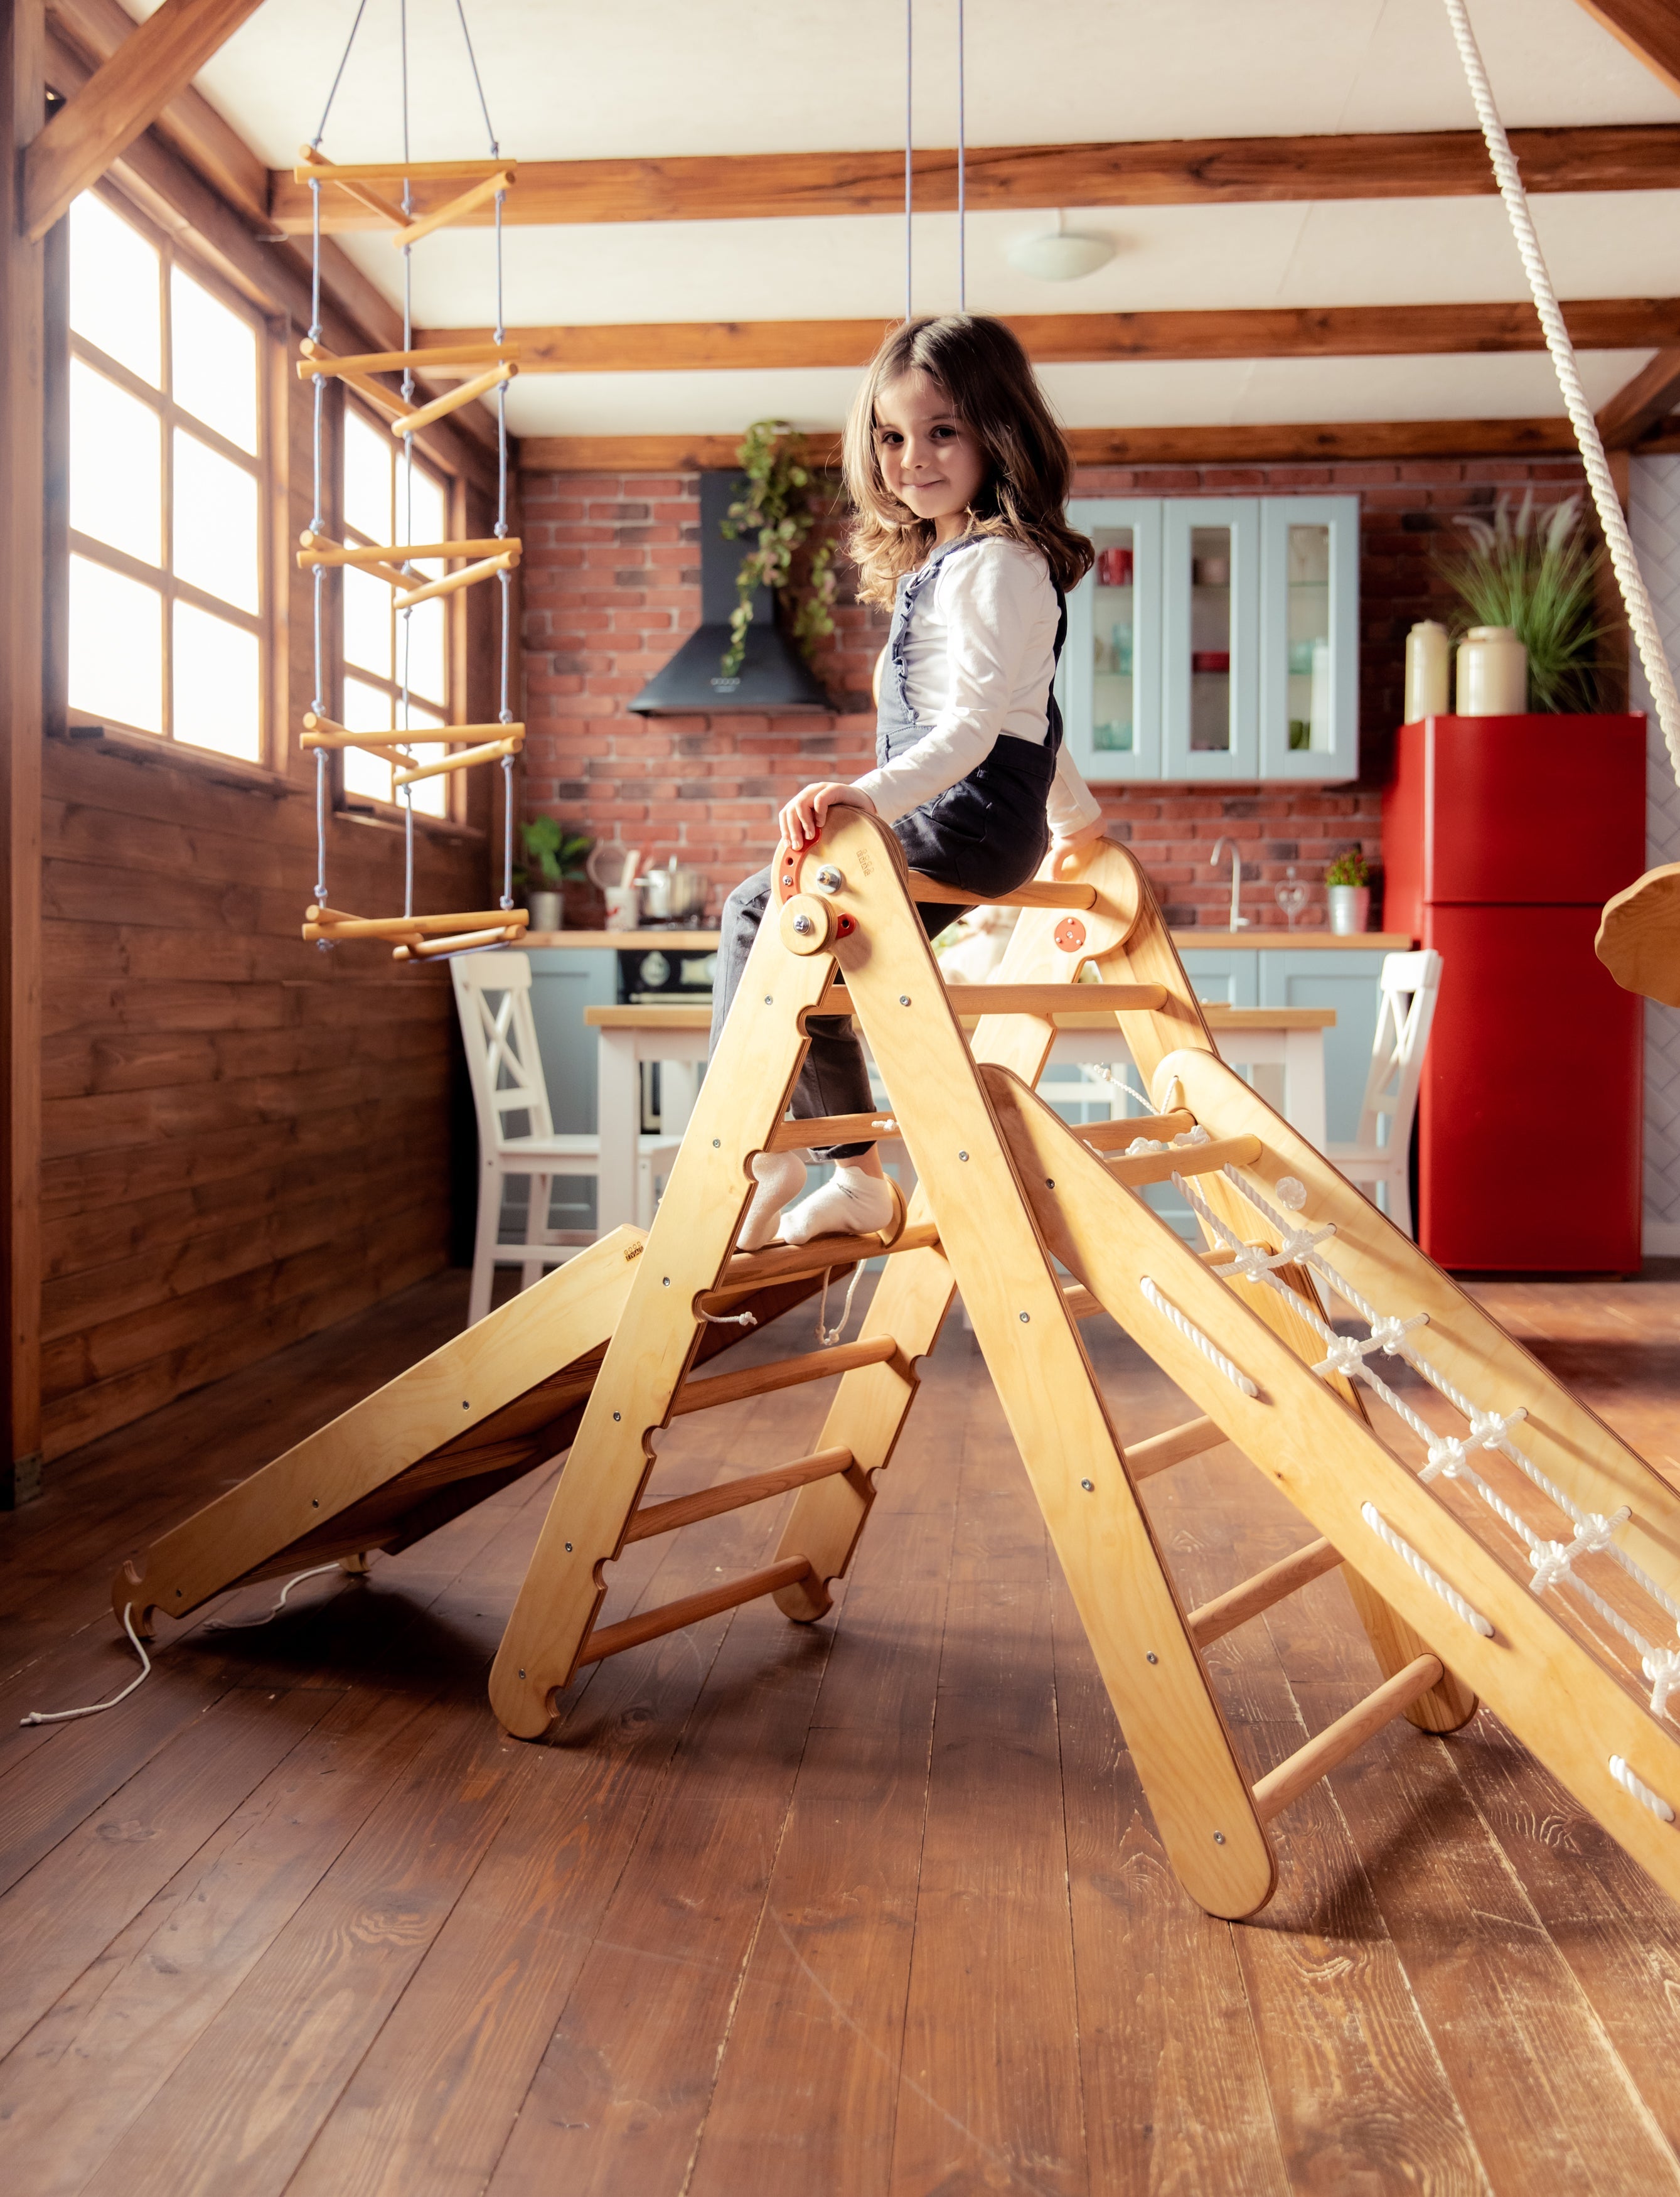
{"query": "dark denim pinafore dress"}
[(987, 835)]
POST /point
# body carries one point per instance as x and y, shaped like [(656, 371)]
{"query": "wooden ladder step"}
[(1173, 1447), (786, 1262), (1115, 1136), (671, 1616), (782, 1373), (831, 1129), (1308, 1764), (1034, 893), (735, 1495), (1235, 1607), (971, 1001), (1183, 1159)]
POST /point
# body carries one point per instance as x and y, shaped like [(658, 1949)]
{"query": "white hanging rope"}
[(1630, 1782), (1610, 519), (909, 165), (93, 1708), (247, 1624), (1192, 1334), (826, 1334)]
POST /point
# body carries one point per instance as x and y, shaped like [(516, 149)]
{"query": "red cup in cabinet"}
[(1114, 568)]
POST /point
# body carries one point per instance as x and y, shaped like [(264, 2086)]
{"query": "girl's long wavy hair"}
[(988, 380)]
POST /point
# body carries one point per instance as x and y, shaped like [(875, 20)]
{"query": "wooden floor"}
[(870, 1907)]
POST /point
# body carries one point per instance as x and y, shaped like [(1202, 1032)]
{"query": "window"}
[(387, 501), (168, 494)]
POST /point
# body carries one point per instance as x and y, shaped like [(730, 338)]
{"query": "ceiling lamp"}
[(1062, 256)]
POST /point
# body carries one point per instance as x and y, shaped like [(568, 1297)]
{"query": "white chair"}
[(493, 998), (1380, 1154)]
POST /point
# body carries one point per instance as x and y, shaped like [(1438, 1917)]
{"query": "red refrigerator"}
[(1502, 839)]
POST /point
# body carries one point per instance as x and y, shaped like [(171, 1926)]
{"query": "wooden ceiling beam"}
[(1649, 29), (1266, 332), (124, 95), (190, 125), (1645, 401), (1288, 443), (1431, 164)]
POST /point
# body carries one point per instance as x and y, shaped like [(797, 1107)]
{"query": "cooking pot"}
[(674, 893)]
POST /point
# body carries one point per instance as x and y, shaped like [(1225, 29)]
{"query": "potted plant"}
[(1535, 576), (782, 502), (1348, 878), (555, 856)]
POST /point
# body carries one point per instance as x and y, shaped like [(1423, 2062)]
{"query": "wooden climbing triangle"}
[(1497, 1539)]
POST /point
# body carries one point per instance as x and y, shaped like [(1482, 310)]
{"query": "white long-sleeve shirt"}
[(979, 658)]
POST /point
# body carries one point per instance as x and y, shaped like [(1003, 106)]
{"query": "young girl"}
[(958, 476)]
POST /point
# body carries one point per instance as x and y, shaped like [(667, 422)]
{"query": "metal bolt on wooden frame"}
[(1040, 1225)]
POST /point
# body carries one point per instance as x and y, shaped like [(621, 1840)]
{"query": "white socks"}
[(781, 1176), (850, 1203)]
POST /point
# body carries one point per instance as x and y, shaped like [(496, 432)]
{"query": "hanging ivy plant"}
[(782, 502)]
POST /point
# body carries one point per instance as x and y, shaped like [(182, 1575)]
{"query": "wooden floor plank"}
[(62, 1915), (135, 2011), (431, 2105), (990, 2087), (807, 2092)]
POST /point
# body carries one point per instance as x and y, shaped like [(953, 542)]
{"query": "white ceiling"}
[(667, 77)]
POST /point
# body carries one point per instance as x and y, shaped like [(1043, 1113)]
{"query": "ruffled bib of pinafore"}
[(988, 833)]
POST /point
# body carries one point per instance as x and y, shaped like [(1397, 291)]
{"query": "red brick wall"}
[(612, 586)]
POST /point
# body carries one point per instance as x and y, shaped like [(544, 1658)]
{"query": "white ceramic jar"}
[(1429, 663), (547, 911), (1350, 910), (1492, 673)]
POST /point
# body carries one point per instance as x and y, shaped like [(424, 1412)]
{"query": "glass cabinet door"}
[(1309, 637), (1109, 685), (1210, 636)]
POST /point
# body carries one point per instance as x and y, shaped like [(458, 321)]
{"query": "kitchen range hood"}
[(773, 676)]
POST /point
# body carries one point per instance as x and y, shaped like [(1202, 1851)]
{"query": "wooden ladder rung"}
[(831, 1129), (631, 1631), (465, 759), (326, 923), (322, 549), (438, 362), (315, 168), (1183, 1159), (468, 575), (323, 733), (1116, 1135), (970, 1001), (786, 1262), (1308, 1764), (1175, 1446), (735, 1495), (782, 1373), (454, 399), (1235, 1607), (1034, 893)]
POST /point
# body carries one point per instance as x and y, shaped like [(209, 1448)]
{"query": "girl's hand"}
[(803, 819), (1062, 849)]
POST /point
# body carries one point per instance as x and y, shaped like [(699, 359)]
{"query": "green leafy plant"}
[(782, 502), (1350, 868), (552, 854), (1537, 573)]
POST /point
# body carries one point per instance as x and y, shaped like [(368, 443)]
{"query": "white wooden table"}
[(1292, 1038)]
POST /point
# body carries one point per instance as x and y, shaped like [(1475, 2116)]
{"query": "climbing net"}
[(401, 565), (1552, 1562)]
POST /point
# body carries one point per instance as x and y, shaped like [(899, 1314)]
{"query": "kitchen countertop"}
[(1219, 1017)]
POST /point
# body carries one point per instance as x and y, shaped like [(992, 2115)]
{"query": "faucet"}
[(1238, 920)]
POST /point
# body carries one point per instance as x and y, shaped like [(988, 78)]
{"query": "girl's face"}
[(930, 459)]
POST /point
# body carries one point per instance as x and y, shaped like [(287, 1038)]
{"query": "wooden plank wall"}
[(245, 1138)]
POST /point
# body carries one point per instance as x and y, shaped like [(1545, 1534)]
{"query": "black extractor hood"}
[(773, 676)]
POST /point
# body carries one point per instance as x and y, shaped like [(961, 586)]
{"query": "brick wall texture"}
[(611, 586)]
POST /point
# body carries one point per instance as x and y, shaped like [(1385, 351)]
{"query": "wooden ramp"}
[(501, 1398), (1497, 1537)]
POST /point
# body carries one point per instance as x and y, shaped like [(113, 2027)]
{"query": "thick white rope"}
[(245, 1624), (1425, 1570), (1630, 1782), (93, 1708), (826, 1335), (1611, 517), (1448, 1456), (1192, 1334)]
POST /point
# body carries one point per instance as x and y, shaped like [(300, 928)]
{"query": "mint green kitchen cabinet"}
[(1217, 639)]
